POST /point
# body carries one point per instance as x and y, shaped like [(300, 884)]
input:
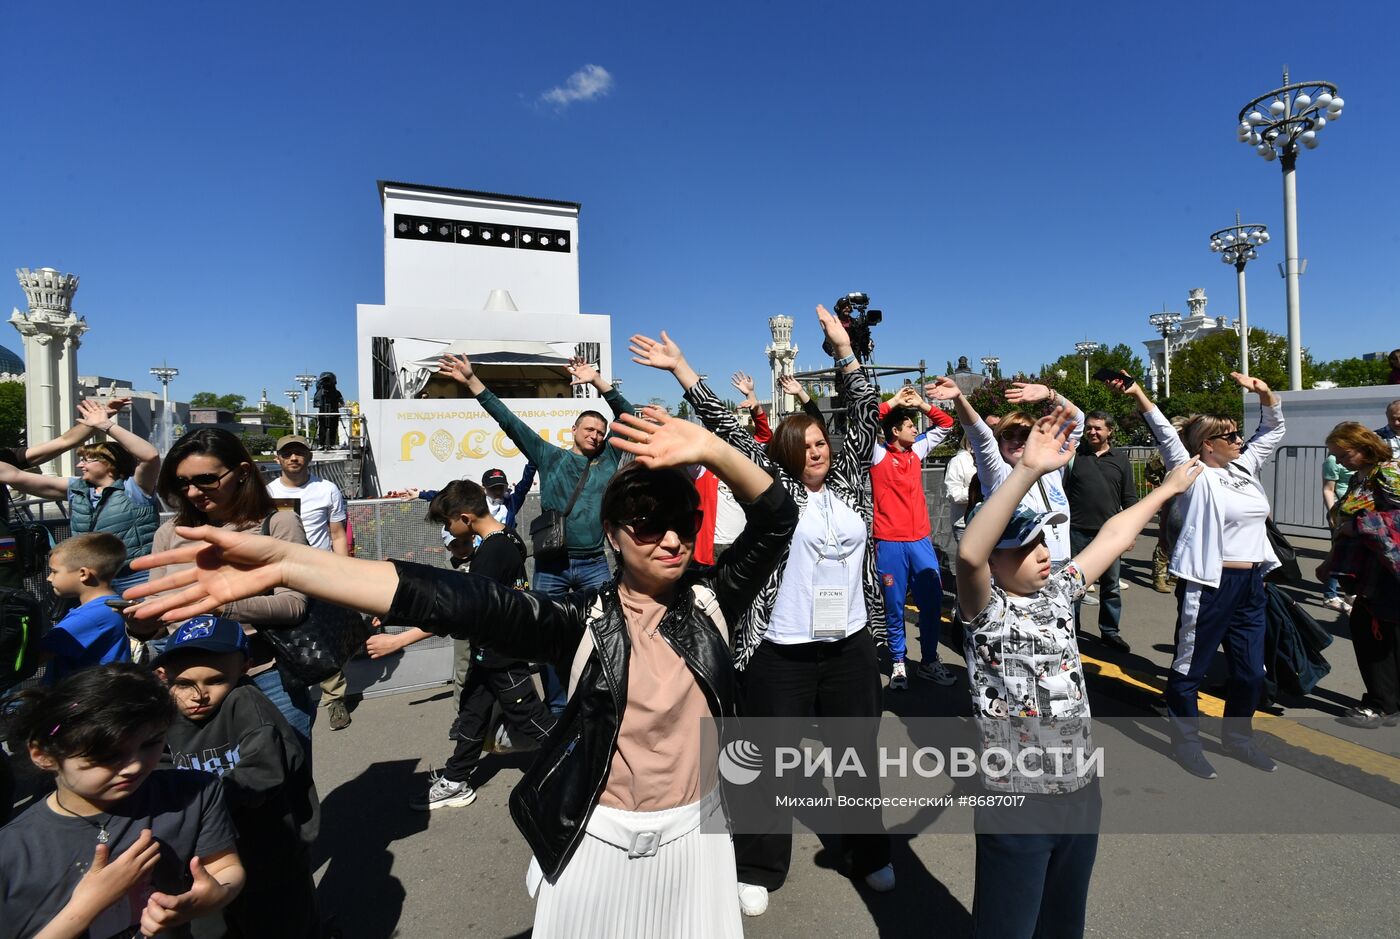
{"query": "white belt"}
[(640, 834)]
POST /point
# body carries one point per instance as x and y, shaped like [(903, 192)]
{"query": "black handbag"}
[(1288, 571), (320, 644), (548, 538)]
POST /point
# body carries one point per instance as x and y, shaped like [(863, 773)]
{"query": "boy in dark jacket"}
[(226, 726), (461, 508)]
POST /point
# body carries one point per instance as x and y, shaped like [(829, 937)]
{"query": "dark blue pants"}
[(1036, 885), (1110, 596), (1233, 614), (907, 566), (558, 578)]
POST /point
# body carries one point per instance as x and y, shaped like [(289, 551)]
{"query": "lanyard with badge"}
[(830, 582)]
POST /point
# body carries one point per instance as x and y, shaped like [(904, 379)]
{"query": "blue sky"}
[(1001, 180)]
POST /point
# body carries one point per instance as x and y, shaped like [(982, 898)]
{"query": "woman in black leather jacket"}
[(619, 787)]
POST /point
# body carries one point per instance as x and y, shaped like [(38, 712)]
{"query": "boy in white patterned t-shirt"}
[(1034, 861)]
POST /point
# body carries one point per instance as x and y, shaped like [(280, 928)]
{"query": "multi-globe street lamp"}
[(294, 395), (1086, 349), (1277, 125), (165, 374), (306, 380), (990, 364), (1166, 324), (1237, 246)]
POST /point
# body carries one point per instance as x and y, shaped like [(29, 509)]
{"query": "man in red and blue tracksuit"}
[(904, 553)]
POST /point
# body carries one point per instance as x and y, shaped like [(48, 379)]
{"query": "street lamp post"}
[(306, 380), (1165, 323), (990, 364), (1236, 245), (294, 395), (1086, 349), (165, 374), (1276, 125)]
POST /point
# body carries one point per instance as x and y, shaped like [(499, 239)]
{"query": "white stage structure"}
[(491, 276)]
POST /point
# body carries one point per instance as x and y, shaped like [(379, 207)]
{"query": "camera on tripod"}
[(853, 310)]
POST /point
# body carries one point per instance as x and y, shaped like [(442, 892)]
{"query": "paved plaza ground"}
[(388, 871)]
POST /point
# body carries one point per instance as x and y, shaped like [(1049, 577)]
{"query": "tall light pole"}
[(293, 395), (990, 364), (306, 380), (1276, 125), (1165, 323), (1086, 349), (165, 374), (1236, 245)]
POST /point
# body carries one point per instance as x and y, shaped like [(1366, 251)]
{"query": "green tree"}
[(1201, 370), (1353, 373), (1119, 357), (12, 419), (277, 416), (207, 399), (683, 410), (259, 443)]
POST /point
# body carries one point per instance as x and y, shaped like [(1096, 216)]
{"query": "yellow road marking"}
[(1289, 731)]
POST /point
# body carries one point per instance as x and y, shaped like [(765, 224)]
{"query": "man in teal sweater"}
[(560, 469)]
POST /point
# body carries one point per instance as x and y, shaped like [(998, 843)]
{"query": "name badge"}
[(830, 601)]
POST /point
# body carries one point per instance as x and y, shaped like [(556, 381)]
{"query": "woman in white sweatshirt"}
[(1221, 556), (995, 454)]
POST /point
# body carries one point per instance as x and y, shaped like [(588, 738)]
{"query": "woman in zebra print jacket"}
[(807, 646)]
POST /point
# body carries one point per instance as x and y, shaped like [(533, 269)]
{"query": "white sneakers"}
[(899, 678), (753, 899), (881, 881), (1337, 603)]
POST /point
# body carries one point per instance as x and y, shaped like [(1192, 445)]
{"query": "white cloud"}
[(589, 82)]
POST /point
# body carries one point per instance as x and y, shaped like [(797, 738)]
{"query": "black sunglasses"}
[(652, 529), (1233, 436), (204, 481)]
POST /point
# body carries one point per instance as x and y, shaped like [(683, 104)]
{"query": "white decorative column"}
[(52, 334), (781, 356), (1196, 303)]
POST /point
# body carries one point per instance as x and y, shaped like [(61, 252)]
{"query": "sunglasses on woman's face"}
[(205, 481), (1233, 436), (652, 529)]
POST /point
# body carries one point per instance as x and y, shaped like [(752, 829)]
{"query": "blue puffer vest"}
[(116, 514)]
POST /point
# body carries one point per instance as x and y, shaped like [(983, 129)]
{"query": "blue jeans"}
[(1332, 590), (1110, 597), (557, 579), (295, 705), (911, 566)]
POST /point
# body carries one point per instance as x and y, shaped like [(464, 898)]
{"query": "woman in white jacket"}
[(1221, 556), (996, 453)]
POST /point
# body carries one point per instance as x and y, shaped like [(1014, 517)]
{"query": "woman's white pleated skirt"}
[(665, 874)]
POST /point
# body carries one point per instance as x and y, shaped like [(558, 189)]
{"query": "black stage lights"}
[(417, 228)]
